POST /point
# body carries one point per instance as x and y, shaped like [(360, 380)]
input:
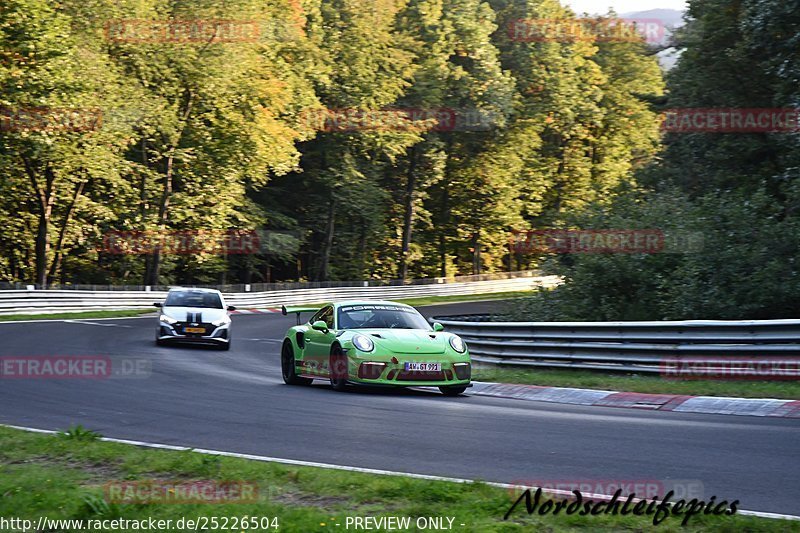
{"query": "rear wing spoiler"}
[(297, 310)]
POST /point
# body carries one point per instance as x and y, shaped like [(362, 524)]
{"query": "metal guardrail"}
[(53, 301), (626, 346), (281, 286)]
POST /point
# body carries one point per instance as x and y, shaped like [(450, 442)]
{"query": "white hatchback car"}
[(194, 315)]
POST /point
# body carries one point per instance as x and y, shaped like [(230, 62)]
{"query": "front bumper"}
[(211, 335), (390, 373)]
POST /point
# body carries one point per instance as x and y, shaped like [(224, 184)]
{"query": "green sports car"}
[(373, 343)]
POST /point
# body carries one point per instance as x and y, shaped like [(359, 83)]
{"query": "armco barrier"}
[(624, 346), (53, 301), (281, 285)]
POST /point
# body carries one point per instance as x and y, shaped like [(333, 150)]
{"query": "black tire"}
[(288, 367), (225, 347), (159, 342), (453, 390), (338, 369)]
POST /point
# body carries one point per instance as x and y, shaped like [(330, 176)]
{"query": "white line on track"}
[(295, 462), (76, 319), (96, 324)]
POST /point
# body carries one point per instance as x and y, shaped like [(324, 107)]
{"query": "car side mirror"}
[(320, 325), (158, 304), (231, 308), (437, 326)]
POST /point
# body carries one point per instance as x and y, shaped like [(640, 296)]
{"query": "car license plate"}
[(424, 367), (194, 330)]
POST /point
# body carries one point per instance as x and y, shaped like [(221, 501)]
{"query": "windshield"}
[(380, 316), (208, 300)]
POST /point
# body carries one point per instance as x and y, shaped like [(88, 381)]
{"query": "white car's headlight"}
[(221, 322), (457, 344), (363, 343), (167, 319)]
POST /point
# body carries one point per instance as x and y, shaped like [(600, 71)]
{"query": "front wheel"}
[(338, 369), (453, 390), (288, 367)]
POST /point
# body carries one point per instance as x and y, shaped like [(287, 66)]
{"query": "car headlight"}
[(221, 322), (457, 344), (363, 343), (167, 319)]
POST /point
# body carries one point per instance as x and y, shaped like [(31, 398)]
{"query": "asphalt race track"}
[(236, 401)]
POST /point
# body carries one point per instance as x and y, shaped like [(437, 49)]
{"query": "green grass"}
[(77, 315), (586, 379), (62, 477)]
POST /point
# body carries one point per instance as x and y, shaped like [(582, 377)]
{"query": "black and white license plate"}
[(424, 367)]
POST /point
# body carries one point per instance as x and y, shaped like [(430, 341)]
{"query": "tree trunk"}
[(153, 272), (143, 205), (442, 230), (408, 214), (362, 250), (444, 216), (154, 267), (328, 244), (476, 254), (42, 247), (45, 199), (59, 248)]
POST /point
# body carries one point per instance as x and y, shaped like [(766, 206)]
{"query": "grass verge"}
[(62, 477), (586, 379), (77, 315)]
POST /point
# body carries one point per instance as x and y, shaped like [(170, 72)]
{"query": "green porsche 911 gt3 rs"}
[(374, 343)]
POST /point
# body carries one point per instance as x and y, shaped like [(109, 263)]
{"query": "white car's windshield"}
[(193, 299), (380, 316)]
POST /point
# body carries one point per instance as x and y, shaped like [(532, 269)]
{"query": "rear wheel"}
[(288, 367), (453, 390), (338, 369)]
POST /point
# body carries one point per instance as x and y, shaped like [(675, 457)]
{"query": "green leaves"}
[(738, 191), (217, 133)]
